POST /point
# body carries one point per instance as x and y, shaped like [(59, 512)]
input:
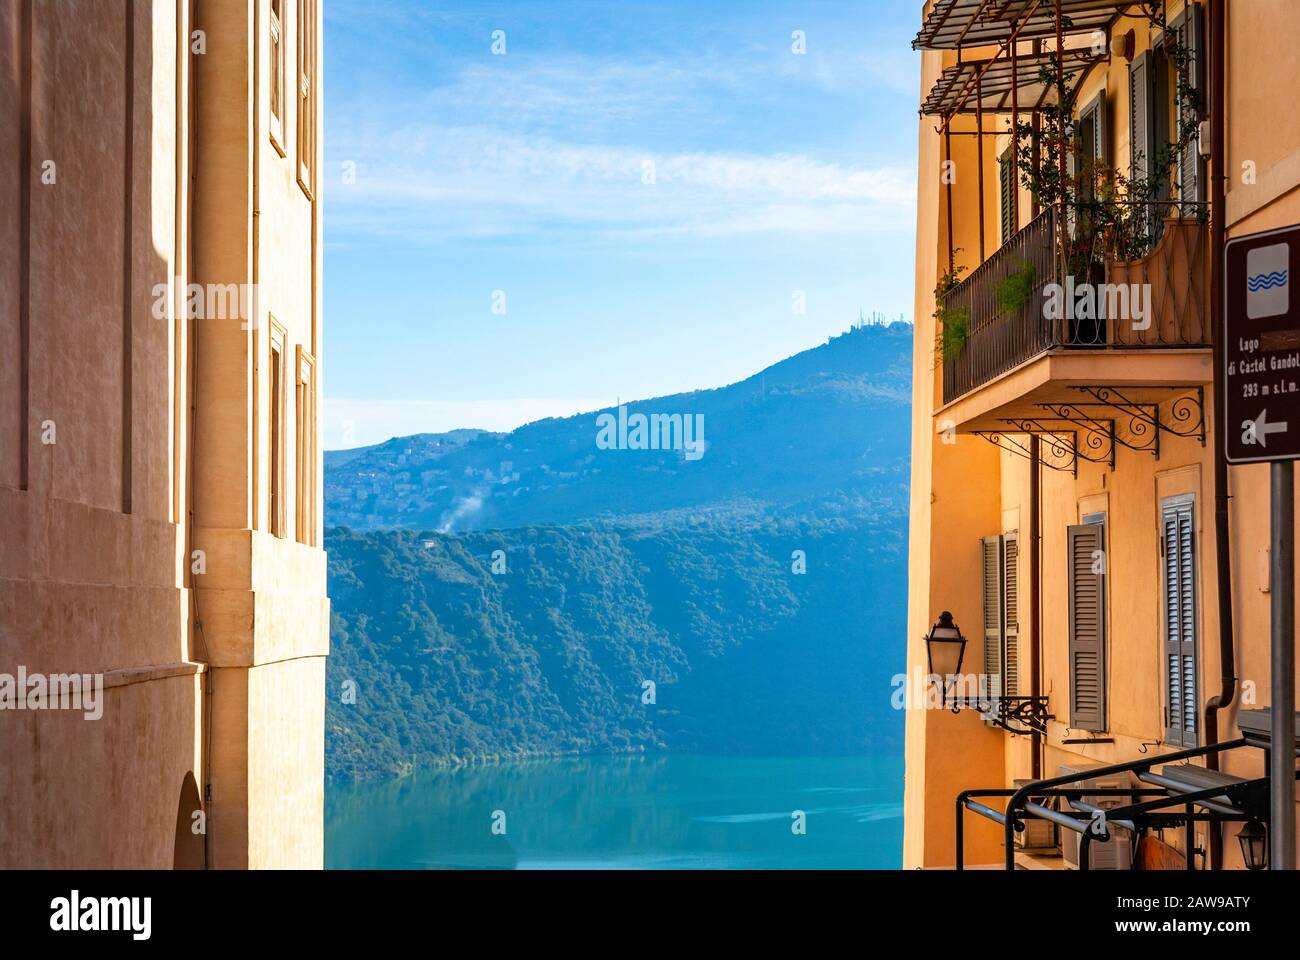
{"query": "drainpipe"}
[(1035, 551), (1218, 158), (979, 154)]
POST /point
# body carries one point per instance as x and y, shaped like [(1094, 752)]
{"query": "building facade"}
[(1069, 503), (160, 521)]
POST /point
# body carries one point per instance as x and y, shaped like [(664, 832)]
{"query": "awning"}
[(953, 24), (957, 83)]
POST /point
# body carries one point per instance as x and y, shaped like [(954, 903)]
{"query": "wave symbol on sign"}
[(1266, 281)]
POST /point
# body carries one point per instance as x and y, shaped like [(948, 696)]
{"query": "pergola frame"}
[(953, 24), (1003, 84), (961, 24)]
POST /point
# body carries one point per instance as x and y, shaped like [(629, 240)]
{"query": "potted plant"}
[(954, 321)]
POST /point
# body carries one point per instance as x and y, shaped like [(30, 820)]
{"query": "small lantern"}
[(1123, 46), (1253, 838), (945, 647)]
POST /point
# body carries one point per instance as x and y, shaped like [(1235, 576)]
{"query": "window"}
[(1159, 113), (307, 106), (1007, 189), (1091, 131), (1086, 563), (275, 432), (305, 446), (1179, 660), (1088, 158), (1148, 83), (277, 74), (1002, 613)]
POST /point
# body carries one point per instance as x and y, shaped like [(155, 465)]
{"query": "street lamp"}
[(1254, 845), (945, 647)]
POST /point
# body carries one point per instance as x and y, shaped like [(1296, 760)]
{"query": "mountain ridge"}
[(551, 470)]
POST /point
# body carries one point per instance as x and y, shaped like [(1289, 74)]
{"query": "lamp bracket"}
[(1019, 716)]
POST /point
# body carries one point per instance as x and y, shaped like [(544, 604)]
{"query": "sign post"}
[(1261, 353)]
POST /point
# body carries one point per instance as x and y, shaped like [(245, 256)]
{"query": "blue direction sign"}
[(1261, 340)]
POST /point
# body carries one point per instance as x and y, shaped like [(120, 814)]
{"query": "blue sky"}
[(646, 187)]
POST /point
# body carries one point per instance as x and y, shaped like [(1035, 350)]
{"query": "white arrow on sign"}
[(1257, 430)]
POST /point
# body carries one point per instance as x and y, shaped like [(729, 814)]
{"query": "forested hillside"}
[(452, 661)]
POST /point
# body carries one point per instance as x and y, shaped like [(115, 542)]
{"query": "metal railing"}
[(999, 337), (1020, 802), (1049, 288)]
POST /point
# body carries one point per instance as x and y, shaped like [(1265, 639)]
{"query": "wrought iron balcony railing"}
[(1049, 288)]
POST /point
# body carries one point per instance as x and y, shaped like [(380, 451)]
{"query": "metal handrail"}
[(1018, 798), (966, 801)]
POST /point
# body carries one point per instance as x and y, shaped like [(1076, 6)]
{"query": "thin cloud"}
[(474, 182), (359, 423), (546, 145)]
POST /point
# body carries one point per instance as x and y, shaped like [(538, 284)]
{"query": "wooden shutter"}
[(992, 554), (1011, 614), (1007, 189), (1090, 150), (1187, 27), (1096, 113), (1087, 583), (1178, 546), (1001, 568), (1141, 126), (1141, 146)]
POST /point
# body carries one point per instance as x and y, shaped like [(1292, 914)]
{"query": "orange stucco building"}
[(160, 522), (1064, 474)]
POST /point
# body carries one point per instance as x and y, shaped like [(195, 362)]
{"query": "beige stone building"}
[(160, 521), (1069, 506)]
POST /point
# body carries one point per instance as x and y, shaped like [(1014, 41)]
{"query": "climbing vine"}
[(1112, 213)]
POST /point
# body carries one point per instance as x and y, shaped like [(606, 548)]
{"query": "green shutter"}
[(1011, 614), (992, 562), (1007, 189), (1087, 652), (1178, 545)]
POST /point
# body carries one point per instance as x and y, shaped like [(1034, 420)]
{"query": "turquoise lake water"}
[(641, 812)]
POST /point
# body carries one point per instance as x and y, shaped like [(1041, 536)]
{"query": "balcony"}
[(1004, 313)]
